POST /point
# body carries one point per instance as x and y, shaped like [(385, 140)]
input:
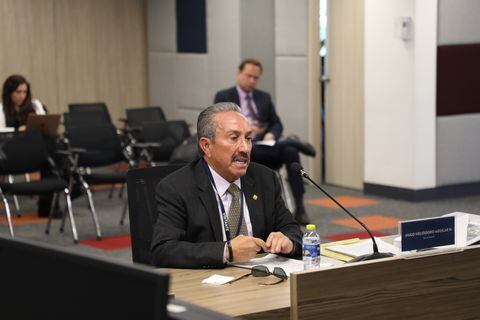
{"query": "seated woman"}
[(16, 105)]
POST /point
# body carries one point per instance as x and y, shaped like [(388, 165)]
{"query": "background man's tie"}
[(250, 108)]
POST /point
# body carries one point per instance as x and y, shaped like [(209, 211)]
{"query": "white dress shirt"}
[(222, 186), (37, 107)]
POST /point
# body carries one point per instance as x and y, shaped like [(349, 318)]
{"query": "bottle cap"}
[(311, 227)]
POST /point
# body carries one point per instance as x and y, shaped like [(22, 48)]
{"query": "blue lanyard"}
[(224, 214)]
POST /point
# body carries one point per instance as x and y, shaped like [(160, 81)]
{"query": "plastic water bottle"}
[(311, 248)]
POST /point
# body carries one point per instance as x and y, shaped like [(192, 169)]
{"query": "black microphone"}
[(375, 255)]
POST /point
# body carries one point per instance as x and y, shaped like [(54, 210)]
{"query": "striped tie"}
[(234, 212), (250, 108)]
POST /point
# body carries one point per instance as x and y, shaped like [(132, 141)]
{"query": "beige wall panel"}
[(77, 50), (101, 53), (28, 46), (344, 106)]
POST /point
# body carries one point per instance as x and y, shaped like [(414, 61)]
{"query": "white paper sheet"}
[(175, 308), (271, 261), (217, 279), (269, 143), (364, 247)]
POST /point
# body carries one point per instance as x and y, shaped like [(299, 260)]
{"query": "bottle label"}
[(311, 250)]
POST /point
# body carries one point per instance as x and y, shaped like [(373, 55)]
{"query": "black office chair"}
[(88, 114), (180, 130), (136, 117), (90, 148), (161, 139), (66, 120), (186, 152), (141, 184), (26, 152), (153, 137)]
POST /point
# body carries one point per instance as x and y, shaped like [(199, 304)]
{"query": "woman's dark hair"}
[(9, 86)]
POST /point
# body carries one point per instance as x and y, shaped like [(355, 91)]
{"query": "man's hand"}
[(268, 137), (245, 248), (277, 242)]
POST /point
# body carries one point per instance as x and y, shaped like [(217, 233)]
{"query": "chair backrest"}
[(186, 152), (101, 142), (88, 114), (180, 130), (141, 184), (22, 152), (66, 119), (136, 117), (159, 132)]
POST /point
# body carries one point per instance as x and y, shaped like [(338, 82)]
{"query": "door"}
[(344, 111)]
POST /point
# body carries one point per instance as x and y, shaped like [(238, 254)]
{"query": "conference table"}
[(429, 285), (245, 298), (248, 298)]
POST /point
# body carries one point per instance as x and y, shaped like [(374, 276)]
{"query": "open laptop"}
[(47, 124)]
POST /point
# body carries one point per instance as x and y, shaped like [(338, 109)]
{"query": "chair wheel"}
[(99, 238), (47, 231), (61, 230)]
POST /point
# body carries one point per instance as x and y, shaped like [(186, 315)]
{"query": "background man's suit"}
[(188, 232), (272, 157), (265, 108)]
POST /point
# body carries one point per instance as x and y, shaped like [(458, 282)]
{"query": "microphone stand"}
[(372, 256)]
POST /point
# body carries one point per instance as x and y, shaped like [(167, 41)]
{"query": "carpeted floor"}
[(380, 214)]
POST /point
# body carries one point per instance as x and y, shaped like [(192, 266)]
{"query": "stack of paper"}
[(467, 228)]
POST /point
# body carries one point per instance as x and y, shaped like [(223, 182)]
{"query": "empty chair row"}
[(147, 135)]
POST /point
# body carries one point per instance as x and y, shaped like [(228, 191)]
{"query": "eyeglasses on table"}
[(263, 271)]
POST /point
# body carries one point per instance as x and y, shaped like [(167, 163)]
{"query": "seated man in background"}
[(221, 207), (258, 107)]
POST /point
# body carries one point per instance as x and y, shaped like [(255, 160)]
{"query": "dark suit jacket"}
[(266, 109), (188, 231)]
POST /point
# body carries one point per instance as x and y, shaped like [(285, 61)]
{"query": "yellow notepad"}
[(335, 255)]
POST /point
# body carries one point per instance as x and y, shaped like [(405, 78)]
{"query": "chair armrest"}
[(132, 129), (53, 166), (146, 145), (71, 151)]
